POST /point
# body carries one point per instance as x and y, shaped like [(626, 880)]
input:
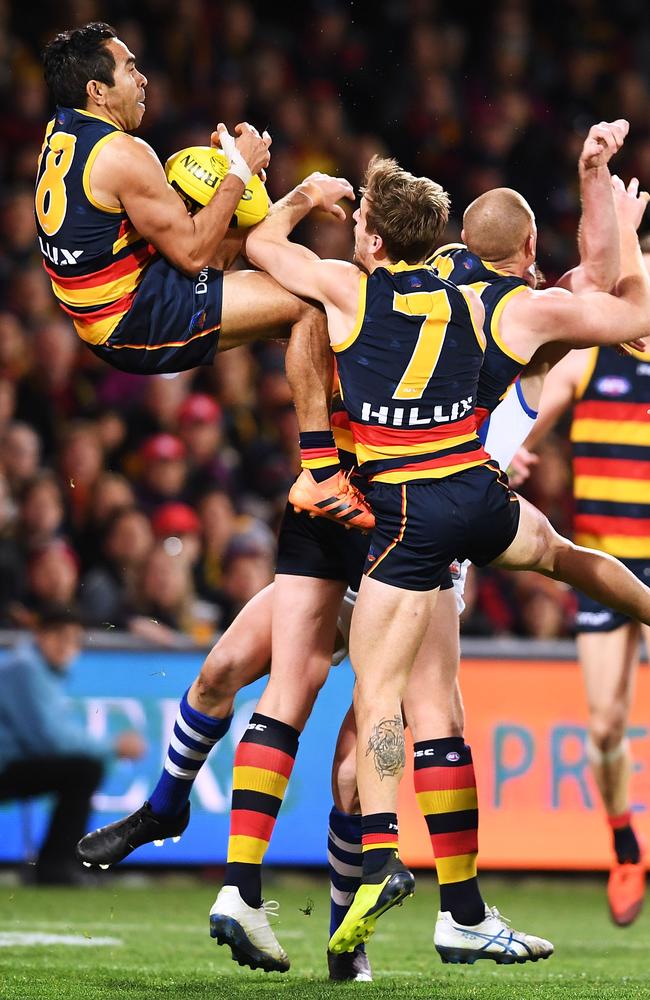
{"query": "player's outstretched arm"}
[(297, 268), (129, 169), (598, 231)]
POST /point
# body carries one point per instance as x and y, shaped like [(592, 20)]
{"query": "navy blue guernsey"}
[(501, 366), (92, 253), (409, 373)]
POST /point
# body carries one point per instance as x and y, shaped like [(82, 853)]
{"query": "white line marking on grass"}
[(12, 939)]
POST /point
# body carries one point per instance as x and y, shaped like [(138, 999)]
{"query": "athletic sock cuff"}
[(271, 732), (212, 728), (449, 752), (620, 821)]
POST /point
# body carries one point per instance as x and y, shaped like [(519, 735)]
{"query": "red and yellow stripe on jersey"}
[(92, 254), (610, 435), (409, 374)]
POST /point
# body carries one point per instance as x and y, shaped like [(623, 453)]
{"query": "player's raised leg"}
[(537, 546), (609, 661), (304, 627), (241, 655), (388, 625), (255, 306)]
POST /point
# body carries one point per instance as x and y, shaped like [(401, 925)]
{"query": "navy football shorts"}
[(317, 547), (173, 324), (594, 617), (423, 525)]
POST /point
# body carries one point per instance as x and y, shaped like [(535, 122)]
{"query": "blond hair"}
[(409, 213)]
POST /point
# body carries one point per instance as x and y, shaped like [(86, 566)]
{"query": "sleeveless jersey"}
[(610, 435), (408, 374), (501, 366), (92, 253)]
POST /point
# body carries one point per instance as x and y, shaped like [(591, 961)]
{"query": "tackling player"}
[(141, 278)]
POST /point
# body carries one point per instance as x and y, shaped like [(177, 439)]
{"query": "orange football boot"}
[(335, 498), (625, 891)]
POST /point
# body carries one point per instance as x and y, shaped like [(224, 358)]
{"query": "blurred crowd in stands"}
[(154, 501)]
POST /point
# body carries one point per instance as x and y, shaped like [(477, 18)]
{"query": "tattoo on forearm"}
[(387, 746)]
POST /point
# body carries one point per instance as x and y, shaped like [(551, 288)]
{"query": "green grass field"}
[(158, 945)]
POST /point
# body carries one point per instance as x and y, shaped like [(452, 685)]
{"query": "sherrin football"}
[(197, 172)]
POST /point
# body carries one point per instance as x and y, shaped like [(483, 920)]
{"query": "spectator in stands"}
[(41, 513), (44, 749), (52, 577), (167, 609), (109, 588), (81, 460), (20, 455), (249, 564), (201, 428), (164, 471)]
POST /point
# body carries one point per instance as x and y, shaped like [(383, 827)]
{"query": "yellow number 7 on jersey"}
[(436, 309)]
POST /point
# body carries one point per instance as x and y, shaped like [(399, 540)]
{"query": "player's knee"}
[(219, 677), (607, 726)]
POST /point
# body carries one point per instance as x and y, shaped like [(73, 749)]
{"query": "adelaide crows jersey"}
[(92, 253), (501, 366), (408, 374), (610, 435)]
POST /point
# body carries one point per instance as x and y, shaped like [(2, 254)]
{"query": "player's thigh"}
[(534, 543), (388, 625), (609, 661), (243, 653), (255, 306), (305, 610), (431, 700)]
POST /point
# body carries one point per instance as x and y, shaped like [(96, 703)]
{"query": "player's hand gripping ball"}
[(196, 173)]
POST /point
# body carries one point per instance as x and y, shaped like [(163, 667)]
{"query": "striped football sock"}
[(379, 841), (263, 763), (343, 863), (445, 787), (193, 737), (319, 454)]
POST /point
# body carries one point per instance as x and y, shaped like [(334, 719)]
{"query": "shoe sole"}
[(467, 956), (628, 916), (227, 930), (399, 887)]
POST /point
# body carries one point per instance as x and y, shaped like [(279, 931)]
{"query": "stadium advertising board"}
[(526, 724)]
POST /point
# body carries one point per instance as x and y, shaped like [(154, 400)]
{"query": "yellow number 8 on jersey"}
[(51, 196)]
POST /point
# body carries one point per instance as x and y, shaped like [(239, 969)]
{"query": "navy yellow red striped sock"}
[(626, 844), (379, 840), (263, 763), (445, 787), (319, 454)]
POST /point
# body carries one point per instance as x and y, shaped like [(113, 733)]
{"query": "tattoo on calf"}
[(387, 745)]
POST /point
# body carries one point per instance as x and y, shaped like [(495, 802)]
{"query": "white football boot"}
[(247, 931), (493, 939)]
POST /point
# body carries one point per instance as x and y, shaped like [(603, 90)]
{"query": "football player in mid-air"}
[(142, 279)]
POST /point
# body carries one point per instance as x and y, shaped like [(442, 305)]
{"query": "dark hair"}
[(644, 243), (58, 615), (73, 58)]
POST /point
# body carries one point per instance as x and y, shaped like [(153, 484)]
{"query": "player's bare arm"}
[(128, 173), (597, 234), (334, 283)]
